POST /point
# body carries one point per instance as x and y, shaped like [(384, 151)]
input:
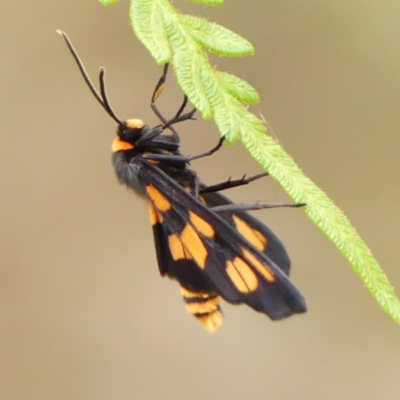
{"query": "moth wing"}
[(257, 233), (234, 267), (184, 270)]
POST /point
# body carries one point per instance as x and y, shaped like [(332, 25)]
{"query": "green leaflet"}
[(327, 216), (169, 35), (185, 40), (238, 88), (215, 38), (148, 24)]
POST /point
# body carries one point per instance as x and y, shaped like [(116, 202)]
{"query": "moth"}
[(212, 247)]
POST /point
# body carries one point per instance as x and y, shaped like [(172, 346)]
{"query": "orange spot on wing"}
[(241, 275), (176, 248), (194, 245), (201, 225), (263, 269), (160, 202), (256, 238), (261, 237), (155, 216)]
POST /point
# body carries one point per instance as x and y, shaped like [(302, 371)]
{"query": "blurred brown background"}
[(84, 314)]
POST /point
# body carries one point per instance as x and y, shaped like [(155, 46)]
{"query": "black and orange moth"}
[(212, 247)]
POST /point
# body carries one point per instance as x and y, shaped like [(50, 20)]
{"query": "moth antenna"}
[(106, 103), (102, 99)]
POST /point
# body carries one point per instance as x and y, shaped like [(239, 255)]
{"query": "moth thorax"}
[(127, 173)]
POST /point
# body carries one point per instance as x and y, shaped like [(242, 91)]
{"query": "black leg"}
[(232, 183), (179, 117), (232, 208), (171, 157), (180, 110), (210, 152), (157, 91)]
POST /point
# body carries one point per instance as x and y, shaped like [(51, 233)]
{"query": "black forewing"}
[(273, 249), (185, 270), (278, 298)]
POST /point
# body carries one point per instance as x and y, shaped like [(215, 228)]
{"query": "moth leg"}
[(156, 93), (233, 208), (178, 116), (232, 183), (184, 159), (209, 152)]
